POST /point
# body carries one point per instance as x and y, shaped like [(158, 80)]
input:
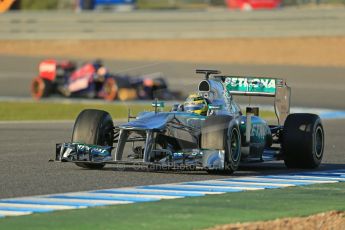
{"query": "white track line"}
[(56, 207), (44, 198), (123, 195), (244, 183), (187, 186), (14, 213), (292, 180), (163, 192)]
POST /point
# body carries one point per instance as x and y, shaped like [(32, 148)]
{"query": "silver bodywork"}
[(172, 139)]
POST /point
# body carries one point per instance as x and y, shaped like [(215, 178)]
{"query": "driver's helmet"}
[(98, 63), (196, 104)]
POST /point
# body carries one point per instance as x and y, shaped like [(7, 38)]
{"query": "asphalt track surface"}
[(319, 87), (27, 147), (199, 24)]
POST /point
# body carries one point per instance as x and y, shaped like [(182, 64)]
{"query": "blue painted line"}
[(268, 181), (332, 174), (336, 175), (191, 189), (310, 180), (294, 181), (321, 176), (332, 171), (22, 209), (338, 170), (232, 185), (162, 193), (308, 177), (333, 115), (132, 199), (72, 204)]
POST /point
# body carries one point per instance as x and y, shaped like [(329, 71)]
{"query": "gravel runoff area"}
[(333, 220), (302, 51)]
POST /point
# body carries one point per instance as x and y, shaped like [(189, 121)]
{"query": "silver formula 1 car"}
[(207, 132)]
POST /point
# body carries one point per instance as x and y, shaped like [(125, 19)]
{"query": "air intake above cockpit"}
[(204, 86)]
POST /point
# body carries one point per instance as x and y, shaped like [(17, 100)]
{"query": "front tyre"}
[(222, 133), (93, 127), (303, 141), (41, 88)]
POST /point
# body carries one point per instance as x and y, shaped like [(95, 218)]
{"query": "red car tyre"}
[(110, 89), (40, 88)]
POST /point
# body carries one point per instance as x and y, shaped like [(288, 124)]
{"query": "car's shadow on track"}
[(244, 170)]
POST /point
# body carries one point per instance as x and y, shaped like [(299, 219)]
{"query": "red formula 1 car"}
[(93, 80), (247, 5)]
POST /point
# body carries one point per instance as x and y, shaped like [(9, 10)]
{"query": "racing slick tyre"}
[(222, 132), (303, 141), (110, 89), (41, 88), (93, 127)]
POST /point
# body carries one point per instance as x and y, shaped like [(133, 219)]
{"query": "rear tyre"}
[(110, 89), (222, 132), (93, 127), (303, 141), (41, 88)]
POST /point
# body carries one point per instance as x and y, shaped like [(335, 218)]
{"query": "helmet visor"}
[(191, 108)]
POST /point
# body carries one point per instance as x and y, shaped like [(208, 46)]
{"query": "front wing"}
[(187, 159)]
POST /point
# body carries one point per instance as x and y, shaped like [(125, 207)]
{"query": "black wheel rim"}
[(107, 135), (234, 145), (108, 88), (318, 142), (36, 87)]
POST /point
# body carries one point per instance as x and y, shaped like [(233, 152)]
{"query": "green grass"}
[(16, 111), (192, 213), (39, 5)]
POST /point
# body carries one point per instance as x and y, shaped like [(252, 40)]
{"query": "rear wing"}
[(47, 69), (264, 87), (253, 86)]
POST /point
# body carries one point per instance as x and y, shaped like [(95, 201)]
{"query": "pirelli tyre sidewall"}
[(93, 127), (222, 133), (303, 141), (41, 87)]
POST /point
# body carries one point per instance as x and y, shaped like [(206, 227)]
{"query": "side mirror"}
[(158, 105), (174, 107), (215, 107)]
